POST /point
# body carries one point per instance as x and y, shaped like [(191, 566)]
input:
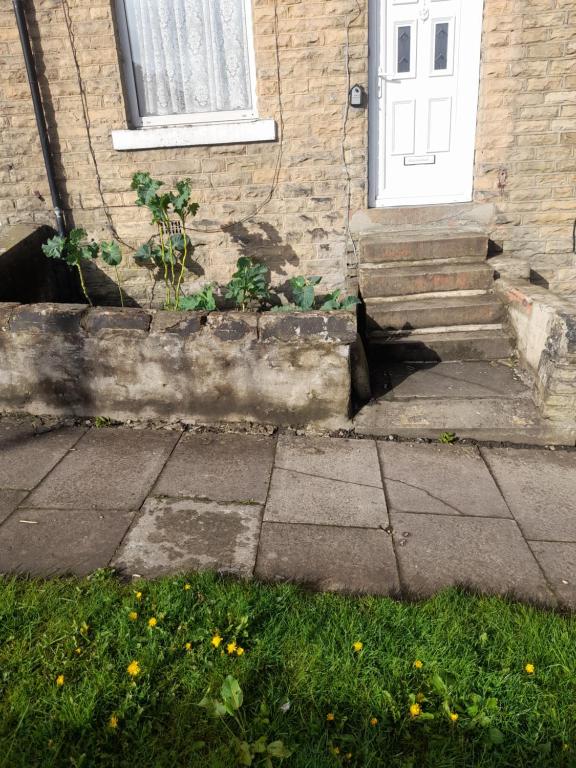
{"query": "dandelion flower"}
[(415, 710), (187, 587), (188, 646), (373, 722), (132, 615), (418, 664), (78, 651), (216, 641), (231, 647), (358, 646), (113, 722), (330, 717), (133, 669), (454, 716), (152, 621), (529, 668), (138, 595), (239, 651), (60, 681)]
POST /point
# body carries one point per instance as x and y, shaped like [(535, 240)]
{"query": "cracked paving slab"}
[(177, 535), (440, 479)]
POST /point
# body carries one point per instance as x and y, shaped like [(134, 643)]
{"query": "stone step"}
[(429, 312), (483, 343), (427, 277), (420, 245)]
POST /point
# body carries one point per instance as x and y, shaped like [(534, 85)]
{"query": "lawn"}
[(86, 679)]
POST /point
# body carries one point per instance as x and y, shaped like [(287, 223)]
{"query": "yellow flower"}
[(330, 717), (187, 587), (454, 716), (358, 646), (113, 722), (231, 647), (336, 750), (138, 595), (152, 621), (133, 669), (529, 668), (132, 615), (188, 646), (415, 710), (373, 722), (239, 651), (60, 681), (216, 640), (418, 664), (78, 651)]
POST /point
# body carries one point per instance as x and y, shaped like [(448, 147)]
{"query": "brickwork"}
[(525, 157)]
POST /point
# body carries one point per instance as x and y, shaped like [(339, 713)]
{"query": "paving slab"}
[(558, 561), (334, 559), (437, 551), (9, 500), (27, 455), (540, 488), (177, 535), (298, 498), (221, 467), (351, 461), (439, 479), (469, 379), (108, 469), (54, 542)]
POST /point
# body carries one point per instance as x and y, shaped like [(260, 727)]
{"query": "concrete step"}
[(427, 277), (428, 312), (477, 343), (423, 244)]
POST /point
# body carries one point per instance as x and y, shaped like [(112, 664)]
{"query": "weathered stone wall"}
[(526, 136), (286, 369), (545, 326)]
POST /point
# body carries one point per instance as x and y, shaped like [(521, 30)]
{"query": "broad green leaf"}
[(495, 735), (244, 754), (111, 254), (54, 248), (259, 746), (278, 749), (231, 692)]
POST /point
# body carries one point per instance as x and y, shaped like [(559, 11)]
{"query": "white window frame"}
[(203, 118)]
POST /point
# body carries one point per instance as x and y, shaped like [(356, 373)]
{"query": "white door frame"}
[(376, 119)]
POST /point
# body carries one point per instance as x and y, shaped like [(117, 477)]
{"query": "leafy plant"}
[(170, 254), (448, 438), (249, 283), (112, 256), (73, 249), (203, 299), (248, 751), (304, 291), (333, 302)]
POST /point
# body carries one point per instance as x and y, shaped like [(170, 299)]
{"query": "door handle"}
[(385, 77)]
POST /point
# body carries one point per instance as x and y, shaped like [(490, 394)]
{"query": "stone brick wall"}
[(525, 156), (526, 140), (274, 368)]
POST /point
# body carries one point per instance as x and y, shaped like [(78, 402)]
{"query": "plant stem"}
[(119, 286), (172, 274), (166, 283), (183, 265), (82, 283)]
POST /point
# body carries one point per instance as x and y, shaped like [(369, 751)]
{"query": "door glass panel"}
[(441, 32), (404, 49)]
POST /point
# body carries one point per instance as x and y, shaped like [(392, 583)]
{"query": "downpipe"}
[(39, 113)]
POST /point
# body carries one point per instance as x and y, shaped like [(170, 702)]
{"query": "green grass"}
[(298, 649)]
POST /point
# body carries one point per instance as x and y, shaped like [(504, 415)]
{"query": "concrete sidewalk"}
[(352, 515)]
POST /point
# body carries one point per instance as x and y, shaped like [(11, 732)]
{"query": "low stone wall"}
[(285, 369), (545, 325)]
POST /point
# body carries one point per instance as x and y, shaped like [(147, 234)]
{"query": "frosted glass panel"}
[(403, 50), (441, 46), (189, 56)]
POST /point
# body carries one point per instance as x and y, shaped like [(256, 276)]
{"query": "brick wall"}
[(525, 157)]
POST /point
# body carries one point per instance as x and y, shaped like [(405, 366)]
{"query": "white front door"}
[(425, 65)]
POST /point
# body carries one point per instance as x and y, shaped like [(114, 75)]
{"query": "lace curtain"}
[(189, 56)]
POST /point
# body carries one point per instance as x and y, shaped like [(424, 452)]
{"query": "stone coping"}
[(337, 327)]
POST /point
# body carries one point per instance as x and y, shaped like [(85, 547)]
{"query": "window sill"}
[(201, 134)]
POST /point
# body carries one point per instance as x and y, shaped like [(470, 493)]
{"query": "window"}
[(441, 46), (187, 61), (403, 49)]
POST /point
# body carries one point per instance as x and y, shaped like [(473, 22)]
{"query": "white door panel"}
[(425, 63)]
